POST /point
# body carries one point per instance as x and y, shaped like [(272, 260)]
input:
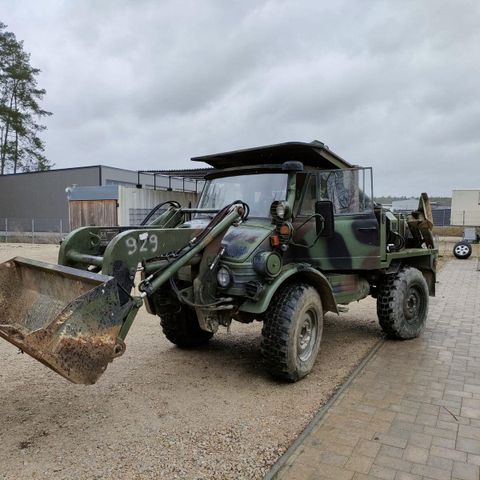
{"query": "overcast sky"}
[(148, 84)]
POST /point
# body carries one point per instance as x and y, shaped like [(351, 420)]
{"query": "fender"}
[(301, 272)]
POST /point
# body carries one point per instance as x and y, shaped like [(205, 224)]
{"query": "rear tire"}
[(462, 250), (402, 304), (292, 331), (182, 328)]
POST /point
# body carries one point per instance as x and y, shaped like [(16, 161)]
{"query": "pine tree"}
[(21, 148)]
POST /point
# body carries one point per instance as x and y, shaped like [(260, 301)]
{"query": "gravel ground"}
[(160, 412)]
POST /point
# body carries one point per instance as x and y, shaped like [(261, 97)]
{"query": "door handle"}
[(367, 229)]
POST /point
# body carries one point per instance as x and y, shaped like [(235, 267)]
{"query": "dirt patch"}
[(162, 412), (448, 231)]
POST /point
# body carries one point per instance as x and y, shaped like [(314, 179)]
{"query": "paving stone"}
[(440, 432), (415, 454), (465, 471), (470, 412), (471, 403), (407, 426), (474, 423), (359, 463), (333, 458), (394, 463), (474, 459), (468, 445), (421, 440), (407, 476), (431, 472), (440, 462), (456, 393), (297, 472), (447, 425), (429, 409), (469, 432), (457, 419), (444, 442), (448, 453), (367, 448), (472, 388), (394, 452), (382, 472), (422, 419), (335, 473), (391, 440), (362, 476)]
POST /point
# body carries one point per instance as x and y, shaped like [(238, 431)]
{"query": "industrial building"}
[(466, 212), (466, 208), (39, 200)]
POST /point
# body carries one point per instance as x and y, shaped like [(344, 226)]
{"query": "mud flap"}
[(68, 319)]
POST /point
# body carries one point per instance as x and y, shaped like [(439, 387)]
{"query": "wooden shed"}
[(116, 205), (95, 206)]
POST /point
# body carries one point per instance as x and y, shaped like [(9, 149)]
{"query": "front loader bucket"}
[(68, 319)]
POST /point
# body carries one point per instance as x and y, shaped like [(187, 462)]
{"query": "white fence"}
[(33, 230)]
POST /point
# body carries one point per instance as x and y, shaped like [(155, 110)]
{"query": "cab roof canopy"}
[(314, 154)]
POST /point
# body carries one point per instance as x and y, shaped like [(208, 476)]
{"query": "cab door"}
[(355, 243)]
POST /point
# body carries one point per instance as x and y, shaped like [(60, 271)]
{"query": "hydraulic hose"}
[(155, 209), (226, 217)]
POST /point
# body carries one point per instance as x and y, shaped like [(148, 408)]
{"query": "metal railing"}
[(33, 230)]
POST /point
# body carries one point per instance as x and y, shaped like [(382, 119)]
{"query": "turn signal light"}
[(274, 241), (285, 230)]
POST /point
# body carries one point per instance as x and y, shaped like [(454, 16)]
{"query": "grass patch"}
[(448, 231)]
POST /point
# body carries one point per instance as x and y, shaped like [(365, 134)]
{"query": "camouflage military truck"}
[(282, 234)]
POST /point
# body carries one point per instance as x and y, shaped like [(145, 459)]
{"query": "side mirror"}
[(325, 221)]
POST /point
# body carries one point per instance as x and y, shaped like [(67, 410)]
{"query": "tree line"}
[(21, 146), (440, 201)]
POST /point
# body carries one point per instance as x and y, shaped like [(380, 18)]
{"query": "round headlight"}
[(280, 210), (223, 277)]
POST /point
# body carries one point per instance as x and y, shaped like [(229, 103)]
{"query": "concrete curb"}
[(282, 461)]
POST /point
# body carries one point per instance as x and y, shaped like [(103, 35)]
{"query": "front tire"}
[(402, 304), (182, 328), (462, 250), (292, 332)]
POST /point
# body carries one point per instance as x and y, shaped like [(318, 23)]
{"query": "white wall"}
[(466, 207), (137, 202)]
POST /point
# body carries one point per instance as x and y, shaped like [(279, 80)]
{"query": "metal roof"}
[(315, 154), (193, 173), (106, 192)]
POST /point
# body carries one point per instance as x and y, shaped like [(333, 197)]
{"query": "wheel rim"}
[(414, 304), (307, 335), (462, 250)]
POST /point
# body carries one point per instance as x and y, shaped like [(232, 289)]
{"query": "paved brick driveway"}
[(414, 410)]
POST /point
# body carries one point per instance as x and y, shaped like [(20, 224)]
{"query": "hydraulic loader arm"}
[(75, 320)]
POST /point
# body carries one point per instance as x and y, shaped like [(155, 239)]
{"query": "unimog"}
[(282, 234)]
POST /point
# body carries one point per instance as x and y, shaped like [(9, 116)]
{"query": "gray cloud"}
[(145, 84)]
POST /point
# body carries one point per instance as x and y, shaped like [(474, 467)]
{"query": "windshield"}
[(258, 191)]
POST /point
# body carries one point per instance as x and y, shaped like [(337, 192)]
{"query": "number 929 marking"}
[(145, 243)]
